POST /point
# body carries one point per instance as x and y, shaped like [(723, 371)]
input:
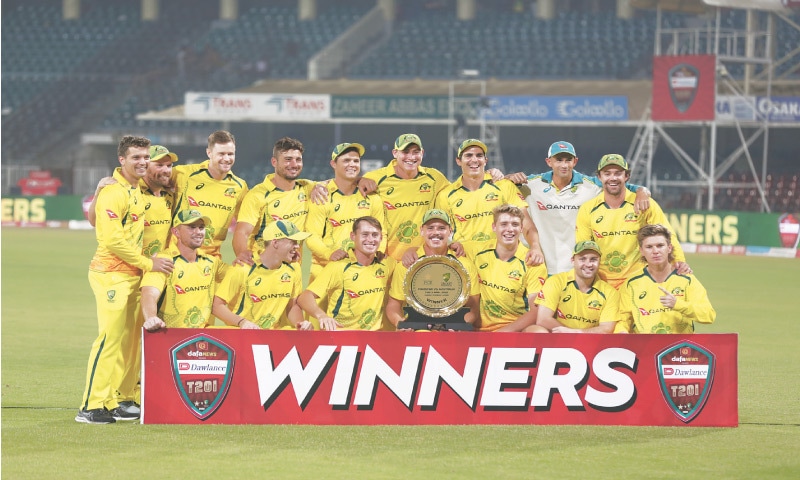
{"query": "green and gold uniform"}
[(505, 286), (114, 275), (157, 219), (641, 310), (261, 295), (614, 230), (187, 294), (576, 309), (405, 201), (266, 203), (356, 293), (472, 210), (330, 224), (218, 200)]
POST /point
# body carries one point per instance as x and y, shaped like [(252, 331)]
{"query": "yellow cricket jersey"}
[(405, 202), (472, 211), (356, 293), (397, 291), (576, 309), (330, 224), (266, 203), (504, 285), (187, 294), (641, 310), (261, 295), (614, 230), (119, 229), (157, 219), (219, 200)]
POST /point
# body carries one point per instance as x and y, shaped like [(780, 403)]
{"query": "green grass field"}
[(48, 324)]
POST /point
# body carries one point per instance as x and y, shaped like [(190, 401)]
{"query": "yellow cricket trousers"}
[(117, 297)]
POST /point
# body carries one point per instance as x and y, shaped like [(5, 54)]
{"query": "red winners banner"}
[(232, 376), (683, 87)]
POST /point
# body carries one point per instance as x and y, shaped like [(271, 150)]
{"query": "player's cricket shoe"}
[(121, 414), (130, 407), (96, 416)]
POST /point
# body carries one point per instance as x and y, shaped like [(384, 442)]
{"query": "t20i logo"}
[(686, 373), (202, 368)]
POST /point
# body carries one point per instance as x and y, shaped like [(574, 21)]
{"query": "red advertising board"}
[(232, 376), (684, 87)]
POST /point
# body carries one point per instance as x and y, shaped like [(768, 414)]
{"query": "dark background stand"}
[(417, 321)]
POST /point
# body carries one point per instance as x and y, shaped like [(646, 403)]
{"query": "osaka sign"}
[(435, 378)]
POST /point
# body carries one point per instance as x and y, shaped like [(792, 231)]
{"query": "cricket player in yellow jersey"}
[(658, 299), (435, 232), (508, 286), (114, 275), (578, 301), (183, 298), (472, 197), (156, 187), (212, 189), (330, 224), (610, 220), (408, 190), (356, 287), (263, 295), (281, 196)]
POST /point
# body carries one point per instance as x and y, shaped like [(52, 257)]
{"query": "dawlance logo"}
[(684, 80), (789, 229), (489, 376), (686, 374), (202, 368)]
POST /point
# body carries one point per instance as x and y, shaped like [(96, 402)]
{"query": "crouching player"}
[(658, 299), (183, 298), (578, 301), (263, 295)]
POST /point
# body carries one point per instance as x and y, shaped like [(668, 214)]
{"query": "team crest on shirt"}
[(363, 205), (301, 197), (230, 192), (515, 275), (686, 375), (206, 271), (481, 237), (424, 188), (491, 197), (202, 368), (677, 292), (379, 273), (631, 217), (110, 294), (286, 278), (594, 305)]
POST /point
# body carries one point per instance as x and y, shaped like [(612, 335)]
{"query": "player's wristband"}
[(239, 324)]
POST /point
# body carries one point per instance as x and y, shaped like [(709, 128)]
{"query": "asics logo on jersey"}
[(147, 206), (567, 298), (258, 281), (180, 274), (390, 191), (337, 207), (484, 265), (199, 186), (458, 203), (599, 219), (355, 277), (642, 295), (276, 204)]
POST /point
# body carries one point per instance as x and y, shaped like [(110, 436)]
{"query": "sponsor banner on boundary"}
[(38, 211), (256, 106), (232, 376), (736, 228), (589, 108), (731, 108)]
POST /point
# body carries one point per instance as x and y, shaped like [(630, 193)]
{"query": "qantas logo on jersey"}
[(180, 290), (254, 298), (201, 203), (192, 201), (560, 314), (643, 311), (289, 216), (134, 217), (618, 233), (334, 222), (496, 286), (148, 223), (111, 214), (352, 294), (471, 216), (459, 218), (395, 206), (544, 207), (257, 299)]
